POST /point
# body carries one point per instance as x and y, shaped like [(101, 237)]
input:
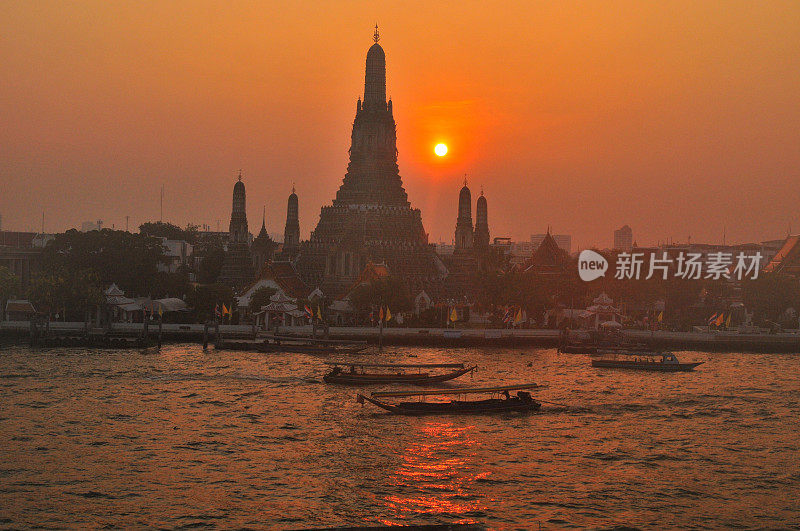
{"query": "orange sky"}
[(677, 118)]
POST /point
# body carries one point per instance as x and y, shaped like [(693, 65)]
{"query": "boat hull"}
[(578, 349), (645, 366), (345, 378), (456, 407)]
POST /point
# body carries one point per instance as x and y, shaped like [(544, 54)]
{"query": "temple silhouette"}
[(371, 218)]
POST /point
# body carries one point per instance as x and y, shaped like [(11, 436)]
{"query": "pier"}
[(137, 335)]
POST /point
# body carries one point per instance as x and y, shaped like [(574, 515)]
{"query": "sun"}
[(440, 149)]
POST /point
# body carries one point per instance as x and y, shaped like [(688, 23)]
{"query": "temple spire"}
[(376, 36), (375, 76)]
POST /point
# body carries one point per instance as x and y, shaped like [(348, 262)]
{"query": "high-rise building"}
[(564, 241), (370, 219), (623, 239)]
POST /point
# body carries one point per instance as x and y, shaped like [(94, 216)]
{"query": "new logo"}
[(591, 265)]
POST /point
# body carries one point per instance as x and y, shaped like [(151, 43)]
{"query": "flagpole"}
[(380, 327)]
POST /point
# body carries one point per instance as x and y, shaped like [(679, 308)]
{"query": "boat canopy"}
[(397, 365), (456, 390)]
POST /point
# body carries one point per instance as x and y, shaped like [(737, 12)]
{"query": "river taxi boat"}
[(292, 344), (668, 363), (499, 400), (359, 373)]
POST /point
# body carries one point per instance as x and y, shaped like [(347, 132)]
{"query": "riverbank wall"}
[(18, 332)]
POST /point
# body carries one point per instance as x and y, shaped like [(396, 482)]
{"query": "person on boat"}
[(525, 396), (506, 395)]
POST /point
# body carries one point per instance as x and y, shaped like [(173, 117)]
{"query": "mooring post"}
[(205, 336), (160, 329), (33, 331)]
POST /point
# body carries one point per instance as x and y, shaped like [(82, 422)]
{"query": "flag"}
[(518, 317), (216, 310), (160, 310), (720, 319), (225, 310), (728, 322), (309, 312), (712, 319), (660, 317), (380, 314), (319, 314), (388, 314), (453, 315)]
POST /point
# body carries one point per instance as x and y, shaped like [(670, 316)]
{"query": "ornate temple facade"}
[(371, 218), (237, 269), (263, 247)]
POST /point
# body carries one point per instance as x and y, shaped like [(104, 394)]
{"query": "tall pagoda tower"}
[(237, 268), (371, 218), (291, 233), (481, 239), (464, 221)]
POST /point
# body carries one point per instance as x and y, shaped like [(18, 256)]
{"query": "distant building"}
[(237, 269), (787, 259), (564, 241), (88, 226), (481, 238), (548, 259), (291, 234), (464, 234), (263, 247), (178, 254), (623, 239), (444, 248), (21, 253)]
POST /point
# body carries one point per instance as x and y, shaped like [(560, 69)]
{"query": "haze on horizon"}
[(676, 118)]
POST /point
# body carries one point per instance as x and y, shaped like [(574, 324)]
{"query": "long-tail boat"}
[(294, 344), (667, 363), (358, 373), (500, 400)]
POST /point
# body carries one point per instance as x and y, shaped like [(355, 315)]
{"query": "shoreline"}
[(18, 332)]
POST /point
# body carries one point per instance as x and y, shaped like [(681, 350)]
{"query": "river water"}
[(187, 438)]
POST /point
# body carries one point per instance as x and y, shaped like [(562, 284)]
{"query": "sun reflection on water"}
[(437, 472)]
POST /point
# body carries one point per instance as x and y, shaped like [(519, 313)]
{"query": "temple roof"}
[(787, 260), (548, 257)]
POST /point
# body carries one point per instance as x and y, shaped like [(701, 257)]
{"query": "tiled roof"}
[(787, 259)]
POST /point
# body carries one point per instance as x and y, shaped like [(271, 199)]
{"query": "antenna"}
[(127, 219), (42, 221), (376, 36), (161, 217)]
